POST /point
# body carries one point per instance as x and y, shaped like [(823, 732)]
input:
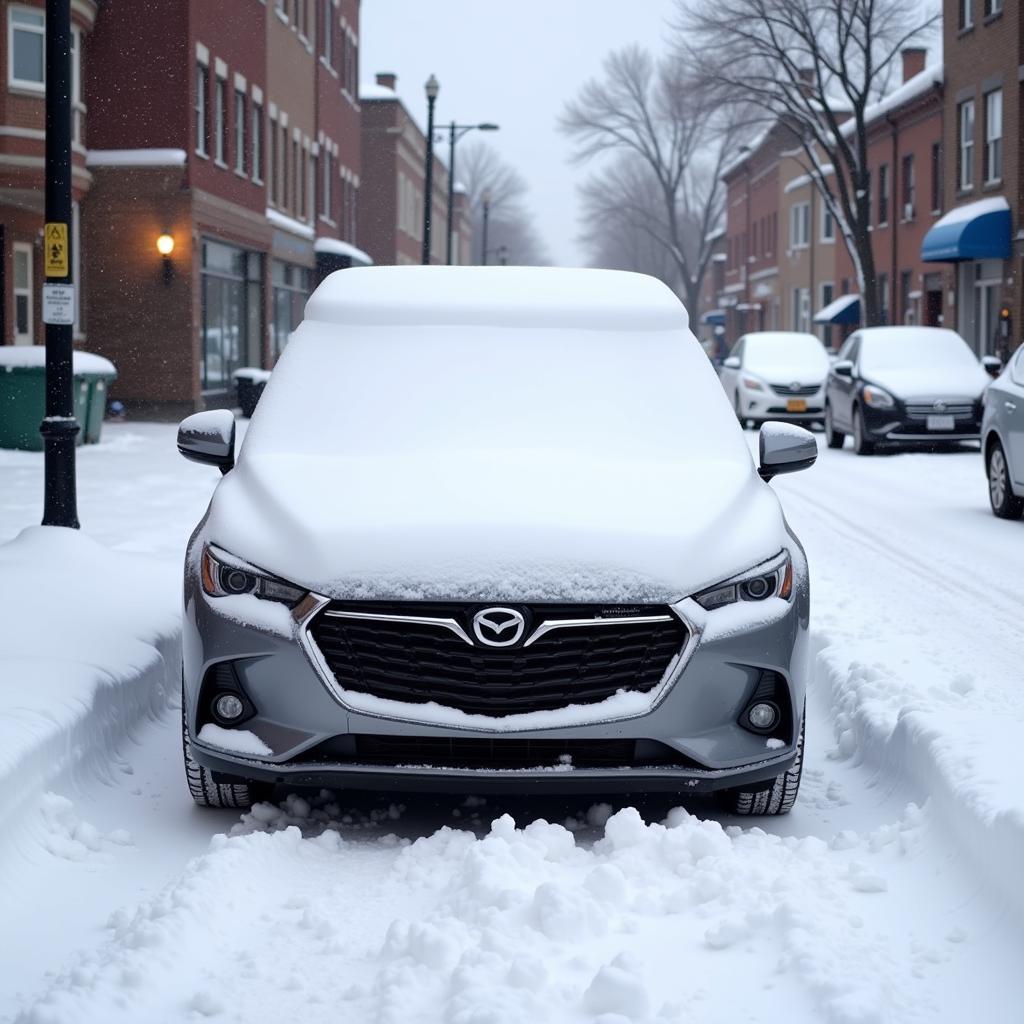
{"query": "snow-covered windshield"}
[(906, 348), (773, 351)]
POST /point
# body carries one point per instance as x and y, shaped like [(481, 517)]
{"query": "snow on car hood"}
[(530, 528), (938, 381), (538, 434)]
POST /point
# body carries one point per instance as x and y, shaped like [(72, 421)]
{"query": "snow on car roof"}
[(551, 297)]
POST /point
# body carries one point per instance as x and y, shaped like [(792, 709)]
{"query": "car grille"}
[(961, 411), (799, 392), (416, 662), (492, 753)]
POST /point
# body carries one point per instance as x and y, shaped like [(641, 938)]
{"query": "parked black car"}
[(905, 385)]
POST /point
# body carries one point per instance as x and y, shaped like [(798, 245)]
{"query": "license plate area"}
[(796, 405), (941, 423)]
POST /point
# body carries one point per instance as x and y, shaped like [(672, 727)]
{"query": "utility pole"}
[(59, 426)]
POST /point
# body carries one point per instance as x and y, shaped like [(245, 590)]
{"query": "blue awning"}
[(713, 316), (844, 310), (976, 231)]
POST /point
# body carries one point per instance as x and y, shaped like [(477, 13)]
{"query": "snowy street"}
[(890, 894)]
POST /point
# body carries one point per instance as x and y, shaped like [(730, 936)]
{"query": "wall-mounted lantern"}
[(165, 246)]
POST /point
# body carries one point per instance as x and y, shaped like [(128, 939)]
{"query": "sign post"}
[(59, 426)]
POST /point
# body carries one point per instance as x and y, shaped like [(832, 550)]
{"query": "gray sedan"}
[(1002, 432)]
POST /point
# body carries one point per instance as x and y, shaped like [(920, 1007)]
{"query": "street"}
[(889, 894)]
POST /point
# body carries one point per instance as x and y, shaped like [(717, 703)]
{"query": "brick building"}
[(240, 141), (22, 155), (750, 292), (905, 159), (391, 207), (978, 246)]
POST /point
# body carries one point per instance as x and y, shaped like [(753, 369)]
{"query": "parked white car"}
[(776, 375)]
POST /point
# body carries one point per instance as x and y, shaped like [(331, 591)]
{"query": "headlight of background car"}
[(222, 579), (877, 398), (753, 384), (769, 579)]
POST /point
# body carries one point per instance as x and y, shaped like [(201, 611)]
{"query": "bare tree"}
[(677, 141), (813, 67), (510, 227)]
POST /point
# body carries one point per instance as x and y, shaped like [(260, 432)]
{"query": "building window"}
[(993, 7), (801, 309), (77, 105), (937, 177), (281, 7), (883, 194), (828, 224), (240, 131), (327, 33), (327, 164), (202, 113), (828, 293), (906, 302), (220, 121), (799, 225), (966, 13), (26, 32), (22, 294), (232, 316), (883, 297), (257, 141), (908, 187), (965, 143), (994, 137), (291, 288)]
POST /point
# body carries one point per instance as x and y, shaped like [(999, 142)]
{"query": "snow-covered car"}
[(494, 527), (904, 385), (776, 375), (1002, 431)]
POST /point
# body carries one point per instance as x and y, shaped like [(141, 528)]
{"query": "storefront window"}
[(231, 317), (292, 286)]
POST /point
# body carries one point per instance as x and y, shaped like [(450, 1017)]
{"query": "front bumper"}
[(692, 715), (903, 425), (769, 405)]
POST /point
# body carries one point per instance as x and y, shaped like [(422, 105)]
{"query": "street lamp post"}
[(487, 211), (455, 132), (59, 426), (432, 88)]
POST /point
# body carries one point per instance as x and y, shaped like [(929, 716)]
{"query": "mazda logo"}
[(498, 627)]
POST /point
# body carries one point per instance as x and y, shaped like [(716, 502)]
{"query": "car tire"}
[(778, 799), (1004, 502), (739, 415), (833, 437), (861, 444), (209, 793)]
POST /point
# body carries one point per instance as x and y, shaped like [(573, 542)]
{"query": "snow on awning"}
[(844, 310), (713, 316), (975, 231), (135, 158), (336, 247)]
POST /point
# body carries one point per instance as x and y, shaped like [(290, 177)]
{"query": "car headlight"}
[(223, 578), (769, 579), (753, 384), (877, 398)]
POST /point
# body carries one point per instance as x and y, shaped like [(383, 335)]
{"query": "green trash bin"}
[(98, 379), (23, 393)]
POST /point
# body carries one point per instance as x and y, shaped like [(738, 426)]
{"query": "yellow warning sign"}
[(55, 244)]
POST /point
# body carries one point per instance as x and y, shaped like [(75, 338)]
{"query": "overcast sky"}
[(515, 64)]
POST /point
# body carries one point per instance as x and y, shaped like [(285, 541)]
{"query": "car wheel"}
[(739, 415), (778, 799), (207, 792), (1005, 503), (861, 444), (833, 438)]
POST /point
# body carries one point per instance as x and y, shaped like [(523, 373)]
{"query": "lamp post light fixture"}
[(456, 132), (432, 88), (165, 246), (486, 198)]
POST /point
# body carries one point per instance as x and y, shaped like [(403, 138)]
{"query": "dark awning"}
[(844, 310), (713, 316), (975, 231)]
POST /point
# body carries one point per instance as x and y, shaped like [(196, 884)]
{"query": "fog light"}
[(229, 707), (763, 716)]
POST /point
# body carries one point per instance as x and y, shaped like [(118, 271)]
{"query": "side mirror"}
[(993, 365), (843, 368), (785, 448), (209, 438), (732, 363)]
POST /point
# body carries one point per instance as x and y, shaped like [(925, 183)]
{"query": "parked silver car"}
[(1002, 432), (493, 528)]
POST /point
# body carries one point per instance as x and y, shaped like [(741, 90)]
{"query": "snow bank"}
[(89, 645), (652, 923)]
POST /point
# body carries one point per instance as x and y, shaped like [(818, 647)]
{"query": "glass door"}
[(22, 279)]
